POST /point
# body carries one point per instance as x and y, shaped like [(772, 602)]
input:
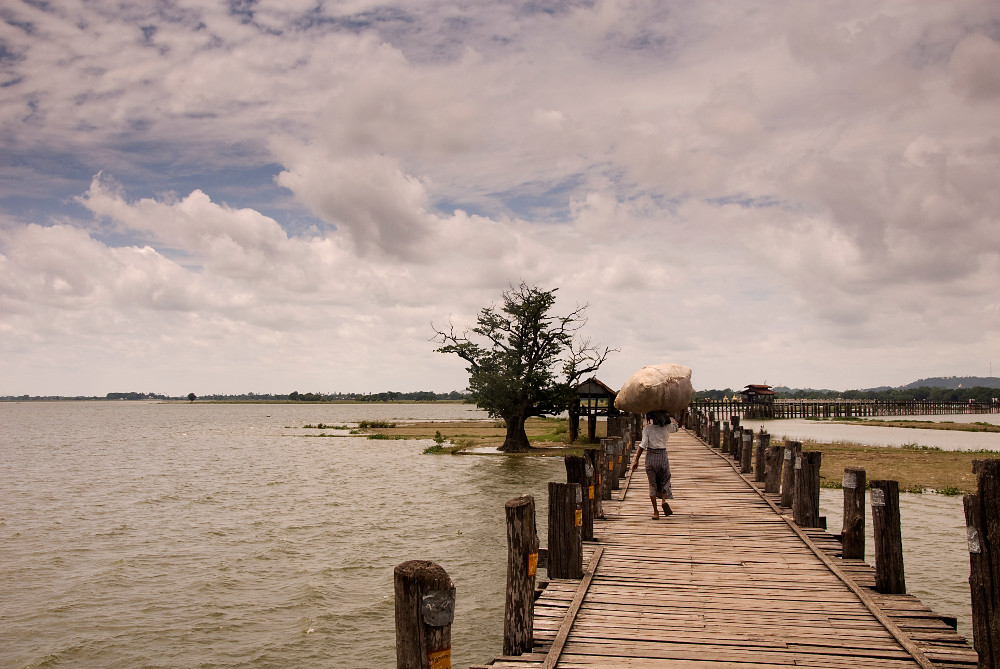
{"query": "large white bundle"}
[(665, 387)]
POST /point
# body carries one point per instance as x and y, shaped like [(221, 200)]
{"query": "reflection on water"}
[(139, 534)]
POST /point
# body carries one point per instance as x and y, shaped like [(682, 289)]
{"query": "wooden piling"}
[(746, 452), (853, 532), (983, 526), (792, 449), (772, 468), (805, 502), (889, 577), (578, 470), (759, 465), (522, 565), (425, 610), (565, 530), (596, 460), (608, 446), (726, 439)]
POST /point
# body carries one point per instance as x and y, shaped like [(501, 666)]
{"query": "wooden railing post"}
[(759, 466), (805, 502), (522, 565), (983, 527), (792, 449), (746, 452), (425, 610), (772, 468), (608, 446), (726, 439), (578, 470), (889, 578), (565, 535), (853, 532), (595, 456)]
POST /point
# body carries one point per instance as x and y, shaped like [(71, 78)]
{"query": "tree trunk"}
[(516, 440)]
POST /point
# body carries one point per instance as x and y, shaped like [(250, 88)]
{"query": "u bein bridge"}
[(595, 399), (787, 408), (743, 574)]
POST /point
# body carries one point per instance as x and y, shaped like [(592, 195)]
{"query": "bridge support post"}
[(889, 577), (983, 526), (522, 566), (610, 448), (579, 470), (792, 449), (853, 532), (759, 466), (425, 609), (746, 452), (772, 468), (596, 458), (805, 502), (565, 530)]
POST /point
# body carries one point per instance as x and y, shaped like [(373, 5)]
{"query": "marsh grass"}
[(917, 468)]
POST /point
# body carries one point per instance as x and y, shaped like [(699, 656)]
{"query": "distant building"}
[(760, 399)]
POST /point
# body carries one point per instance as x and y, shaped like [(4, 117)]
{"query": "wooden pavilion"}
[(593, 398)]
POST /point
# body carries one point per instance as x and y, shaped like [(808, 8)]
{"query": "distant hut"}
[(593, 398), (758, 400)]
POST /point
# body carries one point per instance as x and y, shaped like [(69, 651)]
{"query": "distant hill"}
[(953, 382)]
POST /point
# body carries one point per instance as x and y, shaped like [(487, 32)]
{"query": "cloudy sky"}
[(230, 196)]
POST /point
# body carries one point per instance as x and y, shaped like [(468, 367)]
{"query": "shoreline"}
[(917, 469)]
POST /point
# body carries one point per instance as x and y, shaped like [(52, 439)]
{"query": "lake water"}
[(831, 431), (182, 535)]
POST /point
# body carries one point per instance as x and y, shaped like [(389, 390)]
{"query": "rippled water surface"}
[(176, 535), (135, 534)]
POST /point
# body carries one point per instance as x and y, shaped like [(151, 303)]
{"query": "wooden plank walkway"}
[(724, 582)]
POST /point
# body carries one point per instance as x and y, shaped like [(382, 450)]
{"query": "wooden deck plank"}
[(726, 582)]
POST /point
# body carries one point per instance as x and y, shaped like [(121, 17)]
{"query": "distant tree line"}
[(388, 396)]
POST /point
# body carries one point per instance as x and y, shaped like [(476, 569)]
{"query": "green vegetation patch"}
[(917, 468)]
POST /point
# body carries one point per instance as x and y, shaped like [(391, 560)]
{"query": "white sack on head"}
[(664, 387)]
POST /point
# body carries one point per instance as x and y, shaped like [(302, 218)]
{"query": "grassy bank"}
[(916, 468)]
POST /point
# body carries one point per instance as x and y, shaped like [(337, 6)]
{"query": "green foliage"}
[(375, 425), (522, 360), (438, 438)]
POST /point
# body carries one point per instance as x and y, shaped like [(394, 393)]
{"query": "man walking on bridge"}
[(654, 440)]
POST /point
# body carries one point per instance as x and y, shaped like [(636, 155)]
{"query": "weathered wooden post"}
[(982, 517), (608, 446), (425, 609), (578, 470), (805, 499), (792, 449), (772, 468), (717, 435), (726, 439), (889, 578), (759, 465), (595, 458), (522, 565), (592, 426), (853, 532), (565, 530), (746, 452)]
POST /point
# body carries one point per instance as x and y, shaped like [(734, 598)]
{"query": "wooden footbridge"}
[(727, 581)]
